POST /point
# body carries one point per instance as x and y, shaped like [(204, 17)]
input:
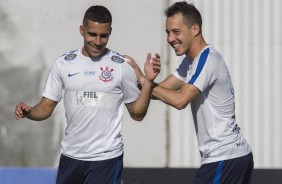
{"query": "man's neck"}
[(197, 47)]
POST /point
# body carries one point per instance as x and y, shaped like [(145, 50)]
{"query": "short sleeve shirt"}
[(93, 91), (219, 137)]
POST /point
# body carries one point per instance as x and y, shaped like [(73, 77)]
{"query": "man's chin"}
[(178, 53), (96, 55)]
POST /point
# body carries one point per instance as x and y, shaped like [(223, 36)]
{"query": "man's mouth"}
[(176, 46), (95, 49)]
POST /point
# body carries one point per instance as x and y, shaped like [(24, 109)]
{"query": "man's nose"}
[(98, 40)]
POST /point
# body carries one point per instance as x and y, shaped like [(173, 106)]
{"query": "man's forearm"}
[(168, 96), (38, 114), (42, 110), (140, 107)]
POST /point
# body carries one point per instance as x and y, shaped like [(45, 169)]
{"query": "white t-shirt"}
[(219, 137), (94, 91)]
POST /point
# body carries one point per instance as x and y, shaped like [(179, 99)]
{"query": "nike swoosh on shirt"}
[(72, 74)]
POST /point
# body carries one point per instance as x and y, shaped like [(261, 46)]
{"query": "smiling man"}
[(95, 82), (203, 80)]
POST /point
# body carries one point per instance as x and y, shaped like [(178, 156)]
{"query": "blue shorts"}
[(72, 171), (233, 171)]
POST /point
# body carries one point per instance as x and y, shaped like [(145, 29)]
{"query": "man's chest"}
[(96, 77)]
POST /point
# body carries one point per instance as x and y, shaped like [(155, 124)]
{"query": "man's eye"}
[(104, 36), (176, 32), (92, 34)]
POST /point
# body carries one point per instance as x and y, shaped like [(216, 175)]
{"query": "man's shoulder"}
[(115, 57), (69, 56), (214, 54)]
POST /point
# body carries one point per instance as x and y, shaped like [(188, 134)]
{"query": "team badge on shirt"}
[(70, 57), (106, 74), (117, 59)]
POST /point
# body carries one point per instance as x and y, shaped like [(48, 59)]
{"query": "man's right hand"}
[(21, 110)]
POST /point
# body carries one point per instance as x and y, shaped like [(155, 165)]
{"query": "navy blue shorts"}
[(233, 171), (72, 171)]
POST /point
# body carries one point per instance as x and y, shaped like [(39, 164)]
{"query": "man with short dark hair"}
[(95, 82), (203, 80)]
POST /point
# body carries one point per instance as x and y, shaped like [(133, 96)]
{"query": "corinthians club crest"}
[(106, 74)]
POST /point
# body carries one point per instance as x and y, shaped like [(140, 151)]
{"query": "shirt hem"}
[(96, 158), (225, 157)]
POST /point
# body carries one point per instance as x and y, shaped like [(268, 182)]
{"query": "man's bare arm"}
[(41, 111)]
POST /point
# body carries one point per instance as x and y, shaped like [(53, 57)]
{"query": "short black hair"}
[(189, 12), (97, 14)]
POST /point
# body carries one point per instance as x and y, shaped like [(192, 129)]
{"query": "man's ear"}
[(81, 30), (196, 29), (111, 30)]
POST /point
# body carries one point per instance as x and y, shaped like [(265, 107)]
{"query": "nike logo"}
[(72, 74)]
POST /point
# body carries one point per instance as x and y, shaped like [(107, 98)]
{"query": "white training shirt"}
[(94, 91), (219, 137)]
